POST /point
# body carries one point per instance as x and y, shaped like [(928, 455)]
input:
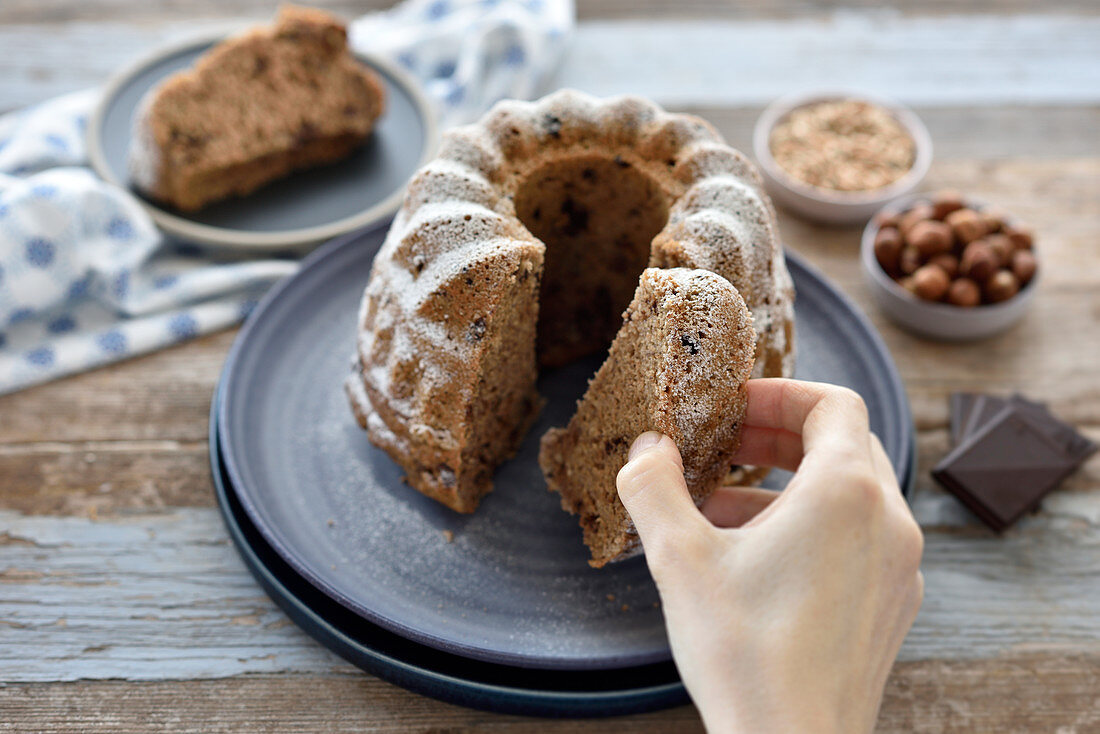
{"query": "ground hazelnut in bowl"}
[(839, 156), (948, 267)]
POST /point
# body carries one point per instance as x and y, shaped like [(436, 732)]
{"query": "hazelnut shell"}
[(964, 292), (1001, 287)]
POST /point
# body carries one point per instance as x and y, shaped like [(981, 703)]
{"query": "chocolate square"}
[(984, 408), (1076, 446), (1005, 468)]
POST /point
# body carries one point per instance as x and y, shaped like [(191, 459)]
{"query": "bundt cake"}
[(254, 108), (520, 245), (678, 365)]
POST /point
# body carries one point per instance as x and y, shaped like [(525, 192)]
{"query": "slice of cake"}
[(678, 366), (255, 108)]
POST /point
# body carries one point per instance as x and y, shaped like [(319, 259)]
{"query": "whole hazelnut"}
[(930, 283), (1002, 286), (1021, 237), (978, 261), (887, 219), (994, 218), (908, 284), (930, 237), (945, 202), (909, 260), (888, 249), (967, 225), (964, 292), (918, 213), (1024, 266), (946, 262), (1002, 247)]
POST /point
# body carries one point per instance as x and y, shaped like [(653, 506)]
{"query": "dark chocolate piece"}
[(1076, 446), (981, 412), (1006, 468)]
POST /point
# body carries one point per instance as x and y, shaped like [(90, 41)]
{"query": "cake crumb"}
[(331, 522), (611, 597), (449, 536), (625, 608)]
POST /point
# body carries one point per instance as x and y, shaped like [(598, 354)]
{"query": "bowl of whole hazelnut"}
[(839, 156), (948, 267)]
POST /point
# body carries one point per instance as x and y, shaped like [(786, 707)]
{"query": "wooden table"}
[(123, 607)]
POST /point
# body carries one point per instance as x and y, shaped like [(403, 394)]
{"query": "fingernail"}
[(647, 440)]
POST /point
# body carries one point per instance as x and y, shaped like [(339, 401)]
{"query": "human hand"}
[(785, 611)]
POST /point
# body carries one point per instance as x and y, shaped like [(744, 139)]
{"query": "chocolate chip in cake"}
[(553, 125), (477, 330), (690, 343)]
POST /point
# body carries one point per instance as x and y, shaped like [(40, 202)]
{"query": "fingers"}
[(812, 428), (821, 414), (761, 446), (652, 488), (732, 507)]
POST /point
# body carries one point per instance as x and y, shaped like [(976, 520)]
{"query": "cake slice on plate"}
[(255, 108), (679, 366)]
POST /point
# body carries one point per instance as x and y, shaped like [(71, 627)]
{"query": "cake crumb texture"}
[(678, 366)]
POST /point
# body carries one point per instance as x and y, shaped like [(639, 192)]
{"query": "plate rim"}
[(904, 469), (418, 678), (236, 239)]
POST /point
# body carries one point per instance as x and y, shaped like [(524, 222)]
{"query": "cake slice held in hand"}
[(255, 108), (679, 366)]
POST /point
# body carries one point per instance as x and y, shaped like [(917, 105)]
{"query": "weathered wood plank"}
[(990, 59), (58, 11), (164, 595), (103, 479), (1014, 696)]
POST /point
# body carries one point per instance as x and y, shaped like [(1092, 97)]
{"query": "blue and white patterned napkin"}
[(87, 279)]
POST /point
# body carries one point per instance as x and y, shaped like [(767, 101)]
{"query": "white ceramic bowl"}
[(939, 321), (825, 205)]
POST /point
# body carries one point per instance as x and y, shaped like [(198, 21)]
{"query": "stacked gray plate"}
[(498, 609)]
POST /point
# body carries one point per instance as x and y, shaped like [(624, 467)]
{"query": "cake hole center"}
[(597, 217)]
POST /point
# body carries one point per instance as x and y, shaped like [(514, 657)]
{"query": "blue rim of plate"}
[(902, 445), (422, 669), (374, 216)]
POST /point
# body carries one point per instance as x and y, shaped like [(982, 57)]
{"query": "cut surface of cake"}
[(520, 246), (255, 108), (678, 366)]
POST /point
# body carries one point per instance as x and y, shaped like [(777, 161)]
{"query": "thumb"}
[(652, 488)]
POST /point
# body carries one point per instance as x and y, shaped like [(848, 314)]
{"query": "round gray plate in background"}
[(513, 586), (308, 206)]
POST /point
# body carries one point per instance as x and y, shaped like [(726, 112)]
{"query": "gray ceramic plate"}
[(311, 206), (514, 586), (425, 670)]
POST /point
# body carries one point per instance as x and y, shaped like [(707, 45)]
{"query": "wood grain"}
[(721, 62), (100, 479), (1025, 694), (62, 11)]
